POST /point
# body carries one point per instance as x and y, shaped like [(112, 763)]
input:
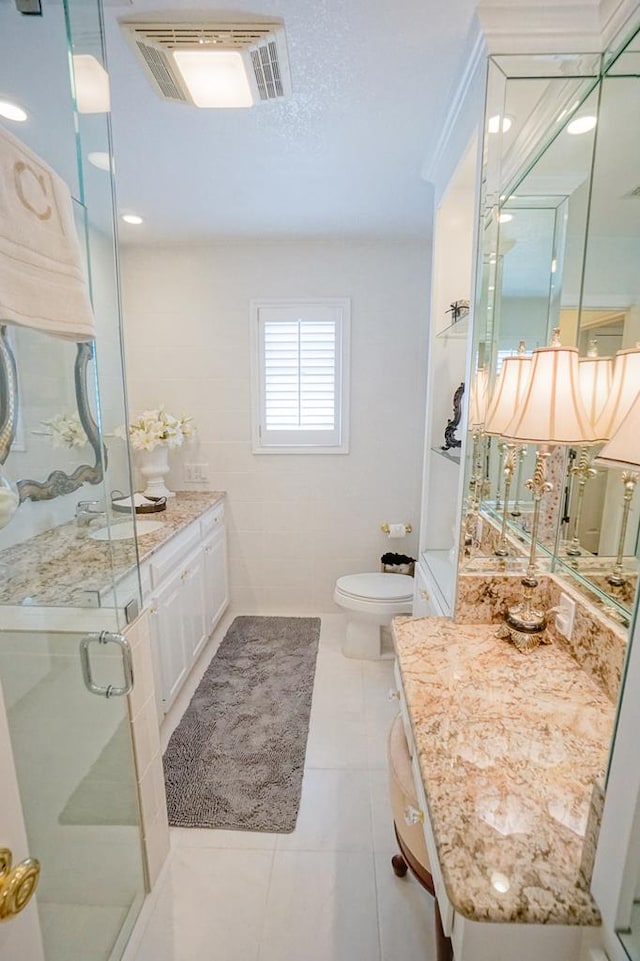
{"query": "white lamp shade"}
[(624, 389), (595, 384), (507, 393), (623, 450), (478, 399), (551, 410)]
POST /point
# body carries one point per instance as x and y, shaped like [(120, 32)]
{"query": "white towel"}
[(42, 283)]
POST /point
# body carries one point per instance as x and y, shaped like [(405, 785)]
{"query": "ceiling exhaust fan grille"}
[(262, 45), (267, 71), (156, 64)]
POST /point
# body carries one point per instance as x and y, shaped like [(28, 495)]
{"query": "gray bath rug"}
[(236, 759)]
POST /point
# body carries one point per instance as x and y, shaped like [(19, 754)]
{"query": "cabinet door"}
[(216, 585), (193, 604), (424, 598), (168, 637)]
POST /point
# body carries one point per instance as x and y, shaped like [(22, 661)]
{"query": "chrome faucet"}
[(87, 511)]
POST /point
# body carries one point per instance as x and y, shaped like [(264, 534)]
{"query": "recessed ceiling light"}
[(505, 218), (494, 124), (99, 159), (91, 85), (215, 78), (132, 219), (11, 111), (582, 125)]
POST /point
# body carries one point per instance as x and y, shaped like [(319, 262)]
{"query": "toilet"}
[(371, 600)]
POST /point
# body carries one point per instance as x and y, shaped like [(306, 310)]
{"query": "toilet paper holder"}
[(386, 529)]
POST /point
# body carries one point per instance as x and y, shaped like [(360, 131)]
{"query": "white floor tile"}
[(381, 814), (234, 840), (321, 907), (211, 904), (334, 813), (406, 915), (337, 739)]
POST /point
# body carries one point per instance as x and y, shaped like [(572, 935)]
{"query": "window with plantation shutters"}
[(300, 353)]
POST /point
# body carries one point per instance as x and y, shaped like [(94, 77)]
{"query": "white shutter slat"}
[(299, 375)]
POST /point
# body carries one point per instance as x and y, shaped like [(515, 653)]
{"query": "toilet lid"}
[(382, 587)]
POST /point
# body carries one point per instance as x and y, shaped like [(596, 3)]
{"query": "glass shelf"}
[(459, 328), (453, 454)]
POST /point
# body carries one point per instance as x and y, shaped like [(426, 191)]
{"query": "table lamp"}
[(595, 386), (505, 401), (551, 412)]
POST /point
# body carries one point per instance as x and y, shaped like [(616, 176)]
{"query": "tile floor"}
[(325, 892)]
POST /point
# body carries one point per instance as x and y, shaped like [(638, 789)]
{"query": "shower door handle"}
[(103, 638)]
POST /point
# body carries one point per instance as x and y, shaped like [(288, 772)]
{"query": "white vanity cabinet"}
[(189, 593)]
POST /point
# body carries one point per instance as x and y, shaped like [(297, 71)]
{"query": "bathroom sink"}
[(124, 531)]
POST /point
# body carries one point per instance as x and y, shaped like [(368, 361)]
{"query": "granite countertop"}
[(509, 746), (58, 568)]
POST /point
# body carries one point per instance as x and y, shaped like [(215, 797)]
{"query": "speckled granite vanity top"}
[(509, 746), (58, 568)]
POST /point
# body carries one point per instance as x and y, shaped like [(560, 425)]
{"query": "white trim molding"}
[(462, 90), (549, 26)]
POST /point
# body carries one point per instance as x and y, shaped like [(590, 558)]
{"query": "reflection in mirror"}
[(57, 424), (559, 246)]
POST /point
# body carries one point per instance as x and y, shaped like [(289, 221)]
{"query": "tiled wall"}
[(296, 522)]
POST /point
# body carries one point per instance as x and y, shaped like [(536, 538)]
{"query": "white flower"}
[(154, 427), (66, 431)]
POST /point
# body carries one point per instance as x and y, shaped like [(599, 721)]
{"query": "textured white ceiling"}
[(371, 82)]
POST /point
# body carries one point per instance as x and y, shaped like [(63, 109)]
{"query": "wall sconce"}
[(551, 412), (507, 397)]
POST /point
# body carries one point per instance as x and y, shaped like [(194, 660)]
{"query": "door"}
[(193, 604), (168, 636), (20, 937), (215, 578), (67, 757)]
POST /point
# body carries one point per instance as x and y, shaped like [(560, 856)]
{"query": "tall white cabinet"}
[(452, 281)]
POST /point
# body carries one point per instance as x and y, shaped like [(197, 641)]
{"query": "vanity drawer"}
[(446, 909), (167, 557), (212, 520)]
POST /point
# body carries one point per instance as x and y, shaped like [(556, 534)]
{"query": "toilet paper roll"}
[(397, 530)]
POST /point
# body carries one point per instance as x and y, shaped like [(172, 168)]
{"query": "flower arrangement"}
[(156, 427), (66, 431)]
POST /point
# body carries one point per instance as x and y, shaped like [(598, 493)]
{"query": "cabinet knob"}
[(393, 695), (424, 594), (153, 610), (413, 816), (185, 575)]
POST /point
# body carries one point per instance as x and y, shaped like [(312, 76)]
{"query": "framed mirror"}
[(63, 420)]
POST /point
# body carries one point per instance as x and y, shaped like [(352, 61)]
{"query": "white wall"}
[(296, 522)]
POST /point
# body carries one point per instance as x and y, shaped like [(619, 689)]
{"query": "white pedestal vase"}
[(154, 466)]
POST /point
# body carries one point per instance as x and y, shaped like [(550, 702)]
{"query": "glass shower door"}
[(75, 774), (75, 770)]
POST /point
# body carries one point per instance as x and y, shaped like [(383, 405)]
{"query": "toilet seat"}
[(377, 588)]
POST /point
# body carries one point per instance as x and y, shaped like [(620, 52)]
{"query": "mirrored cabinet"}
[(559, 247)]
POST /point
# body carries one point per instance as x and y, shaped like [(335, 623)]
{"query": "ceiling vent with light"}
[(213, 63)]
